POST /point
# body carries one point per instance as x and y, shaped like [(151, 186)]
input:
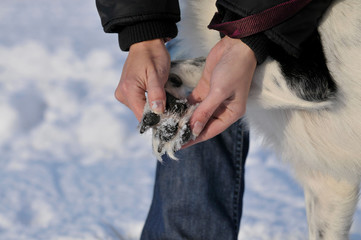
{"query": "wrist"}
[(154, 43), (235, 44)]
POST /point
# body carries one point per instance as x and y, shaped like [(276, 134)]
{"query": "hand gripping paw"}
[(170, 129)]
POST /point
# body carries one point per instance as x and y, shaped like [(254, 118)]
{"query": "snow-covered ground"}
[(72, 164)]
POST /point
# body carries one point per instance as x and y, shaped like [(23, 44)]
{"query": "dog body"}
[(307, 109)]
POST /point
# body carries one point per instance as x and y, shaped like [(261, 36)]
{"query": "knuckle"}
[(205, 115), (159, 73), (120, 92), (239, 112), (220, 92), (118, 96), (162, 71)]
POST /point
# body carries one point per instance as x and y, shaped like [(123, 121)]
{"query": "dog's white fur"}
[(321, 140)]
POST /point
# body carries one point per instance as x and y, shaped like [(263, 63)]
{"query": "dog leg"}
[(330, 205), (171, 129)]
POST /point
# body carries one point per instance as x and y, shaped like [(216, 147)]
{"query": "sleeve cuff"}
[(259, 44), (144, 31)]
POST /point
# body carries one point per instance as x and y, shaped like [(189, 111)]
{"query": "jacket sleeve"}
[(289, 34), (139, 20)]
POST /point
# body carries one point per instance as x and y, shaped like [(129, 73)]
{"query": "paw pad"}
[(171, 129)]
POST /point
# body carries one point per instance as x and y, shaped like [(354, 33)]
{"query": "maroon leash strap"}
[(258, 22)]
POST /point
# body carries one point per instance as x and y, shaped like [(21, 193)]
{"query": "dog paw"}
[(171, 129)]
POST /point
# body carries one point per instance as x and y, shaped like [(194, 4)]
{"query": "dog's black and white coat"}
[(308, 110)]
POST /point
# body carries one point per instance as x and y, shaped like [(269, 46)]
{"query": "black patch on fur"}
[(150, 119), (160, 147), (198, 62), (175, 80), (167, 132), (307, 75), (320, 234), (186, 136), (175, 105), (173, 64)]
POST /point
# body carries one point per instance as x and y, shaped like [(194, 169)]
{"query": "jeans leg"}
[(200, 196)]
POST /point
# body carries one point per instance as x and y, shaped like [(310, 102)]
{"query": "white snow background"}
[(72, 164)]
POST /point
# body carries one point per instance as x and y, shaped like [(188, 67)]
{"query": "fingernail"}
[(197, 128), (157, 106)]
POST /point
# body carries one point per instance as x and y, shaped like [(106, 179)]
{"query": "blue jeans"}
[(200, 196)]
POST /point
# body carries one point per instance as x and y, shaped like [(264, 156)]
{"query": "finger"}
[(222, 118), (137, 106), (205, 110), (133, 97), (207, 133), (199, 93), (156, 92), (214, 127), (220, 121)]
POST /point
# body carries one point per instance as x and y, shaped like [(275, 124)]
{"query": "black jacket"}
[(140, 20)]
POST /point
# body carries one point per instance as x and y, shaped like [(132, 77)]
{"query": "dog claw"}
[(149, 119), (171, 129)]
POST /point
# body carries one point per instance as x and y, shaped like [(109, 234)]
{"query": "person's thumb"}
[(205, 111), (156, 92)]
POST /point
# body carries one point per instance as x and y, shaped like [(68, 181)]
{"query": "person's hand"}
[(223, 88), (145, 70)]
